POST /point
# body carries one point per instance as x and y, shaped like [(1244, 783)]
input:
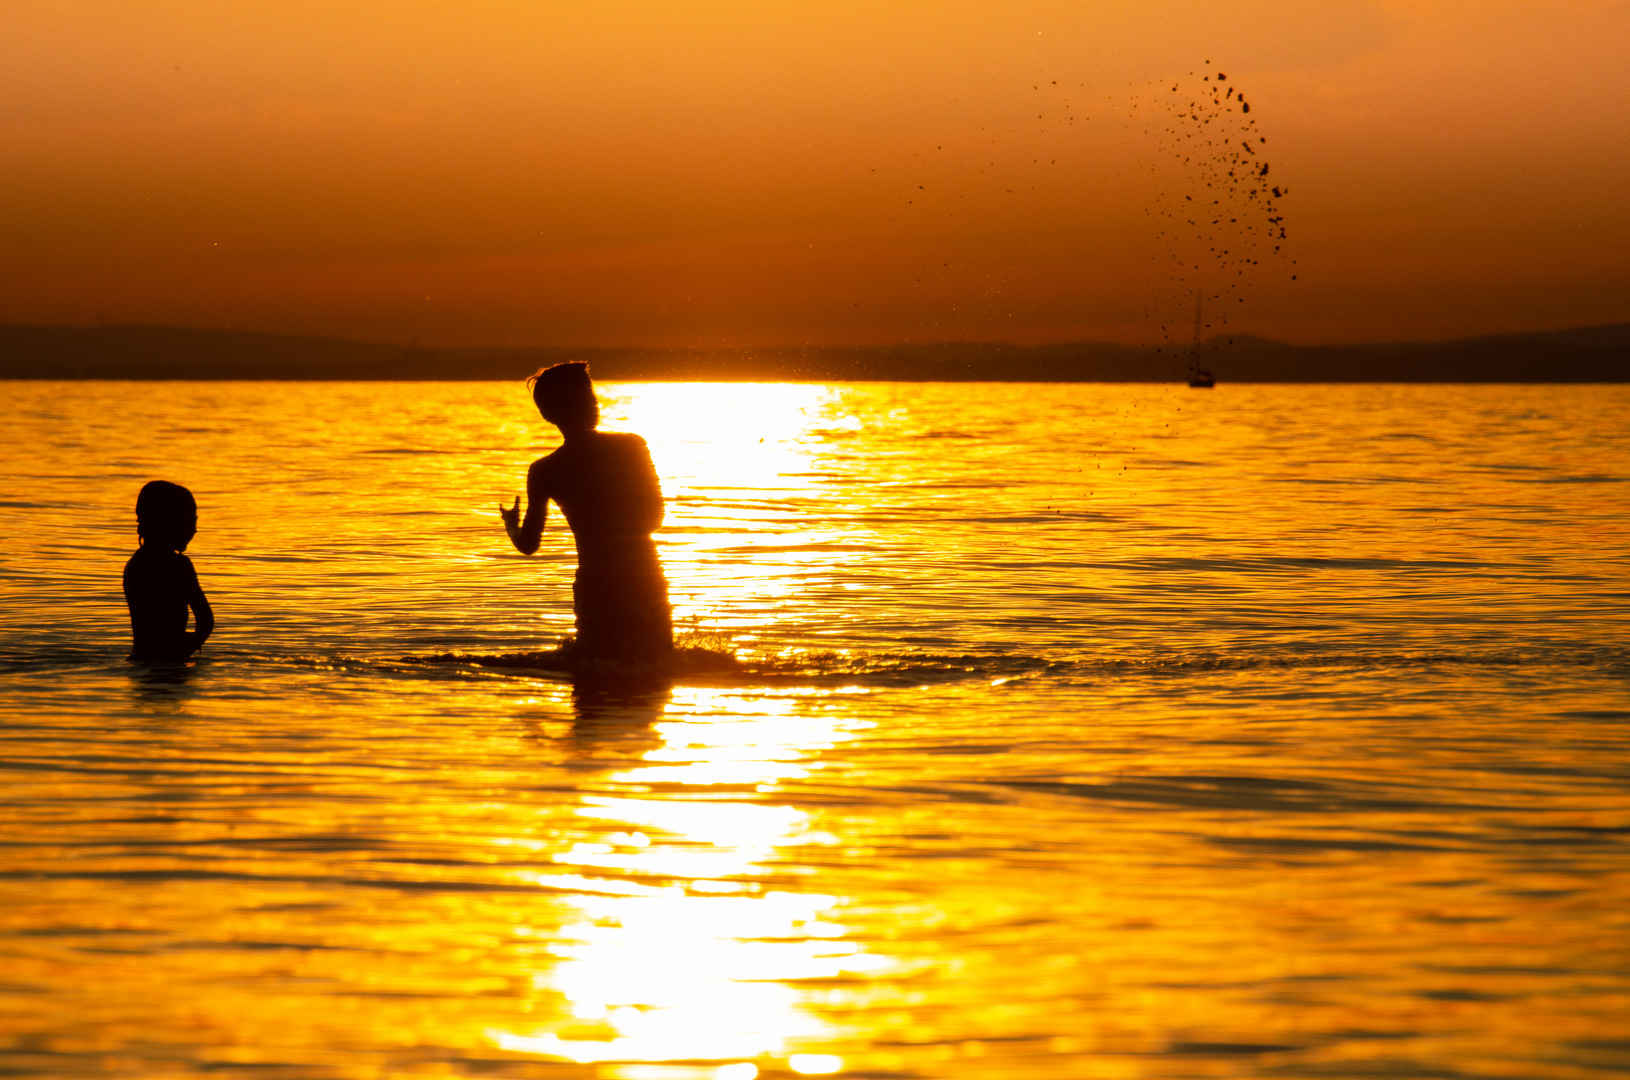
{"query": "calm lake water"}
[(1085, 731)]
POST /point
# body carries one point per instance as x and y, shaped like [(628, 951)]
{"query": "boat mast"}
[(1194, 351)]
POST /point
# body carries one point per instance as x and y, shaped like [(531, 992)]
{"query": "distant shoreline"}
[(1586, 355)]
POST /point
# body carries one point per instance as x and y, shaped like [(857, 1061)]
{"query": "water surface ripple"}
[(1081, 731)]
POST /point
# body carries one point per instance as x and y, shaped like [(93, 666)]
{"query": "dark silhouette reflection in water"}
[(617, 712), (606, 486), (162, 686), (611, 720)]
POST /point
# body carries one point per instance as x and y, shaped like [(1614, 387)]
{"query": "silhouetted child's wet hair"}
[(565, 395), (166, 515)]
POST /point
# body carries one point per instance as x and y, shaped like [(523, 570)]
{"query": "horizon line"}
[(413, 344)]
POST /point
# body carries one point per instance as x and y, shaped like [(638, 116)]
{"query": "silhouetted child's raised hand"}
[(160, 583), (512, 520)]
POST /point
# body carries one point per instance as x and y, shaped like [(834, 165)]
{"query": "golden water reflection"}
[(690, 953), (743, 466), (1268, 731)]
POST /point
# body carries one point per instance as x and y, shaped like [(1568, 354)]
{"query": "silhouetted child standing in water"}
[(160, 584), (606, 486)]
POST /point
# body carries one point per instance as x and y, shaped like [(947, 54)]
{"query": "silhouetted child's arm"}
[(203, 616), (527, 535)]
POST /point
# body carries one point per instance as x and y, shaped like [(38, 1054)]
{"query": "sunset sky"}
[(736, 174)]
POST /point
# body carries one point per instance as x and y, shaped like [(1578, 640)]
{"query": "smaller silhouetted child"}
[(160, 584)]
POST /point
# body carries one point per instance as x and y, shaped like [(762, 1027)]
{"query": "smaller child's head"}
[(565, 396), (166, 515)]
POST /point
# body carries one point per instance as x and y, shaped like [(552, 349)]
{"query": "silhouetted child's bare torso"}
[(607, 488), (159, 585)]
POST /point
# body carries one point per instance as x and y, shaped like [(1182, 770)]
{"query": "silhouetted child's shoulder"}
[(153, 567), (596, 449)]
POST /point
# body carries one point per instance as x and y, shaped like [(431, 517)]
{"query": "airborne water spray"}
[(1216, 203)]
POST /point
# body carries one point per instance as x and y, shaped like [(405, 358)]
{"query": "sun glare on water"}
[(741, 463), (686, 954)]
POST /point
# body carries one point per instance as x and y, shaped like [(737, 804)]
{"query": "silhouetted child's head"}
[(166, 515), (565, 396)]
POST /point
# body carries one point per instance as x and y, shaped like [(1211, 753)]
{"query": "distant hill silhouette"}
[(1590, 354)]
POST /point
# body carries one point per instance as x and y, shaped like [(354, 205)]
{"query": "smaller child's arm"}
[(527, 535), (203, 616)]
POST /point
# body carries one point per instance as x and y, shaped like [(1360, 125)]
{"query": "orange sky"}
[(740, 173)]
